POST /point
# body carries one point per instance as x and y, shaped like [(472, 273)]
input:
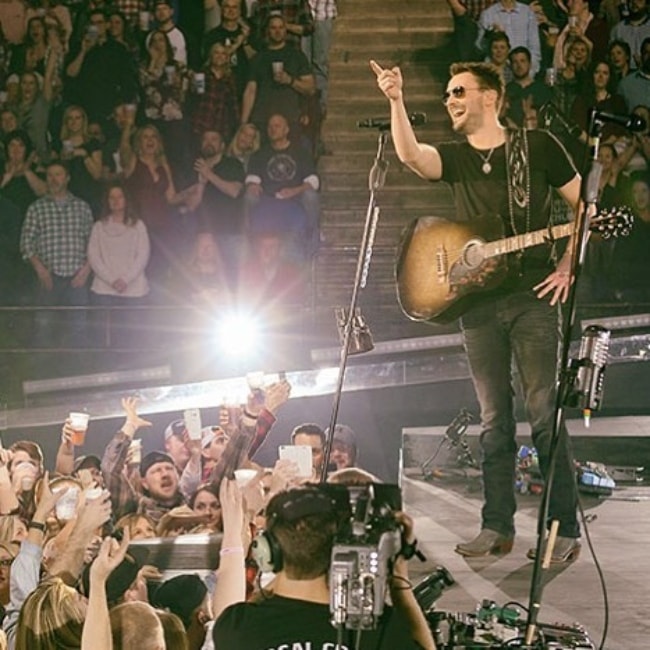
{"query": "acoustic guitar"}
[(441, 264)]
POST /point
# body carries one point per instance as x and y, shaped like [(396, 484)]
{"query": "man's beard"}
[(208, 152)]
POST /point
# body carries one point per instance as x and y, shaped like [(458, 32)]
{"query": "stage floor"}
[(620, 532)]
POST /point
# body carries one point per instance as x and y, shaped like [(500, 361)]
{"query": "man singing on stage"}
[(498, 173)]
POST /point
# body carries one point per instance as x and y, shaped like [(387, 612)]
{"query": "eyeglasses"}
[(458, 92)]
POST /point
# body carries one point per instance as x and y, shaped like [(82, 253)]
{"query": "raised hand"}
[(48, 499), (390, 81), (130, 405), (111, 553), (276, 395)]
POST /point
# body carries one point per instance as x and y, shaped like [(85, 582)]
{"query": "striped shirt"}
[(57, 232), (519, 23)]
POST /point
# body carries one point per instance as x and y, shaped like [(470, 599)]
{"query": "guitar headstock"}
[(616, 222)]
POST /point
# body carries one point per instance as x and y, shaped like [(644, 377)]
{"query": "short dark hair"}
[(519, 50), (305, 541), (309, 429), (21, 136), (495, 36), (624, 45), (487, 74), (58, 163)]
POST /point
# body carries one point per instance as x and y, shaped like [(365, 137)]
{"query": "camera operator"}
[(301, 528)]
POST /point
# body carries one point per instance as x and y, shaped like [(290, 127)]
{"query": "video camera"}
[(365, 547)]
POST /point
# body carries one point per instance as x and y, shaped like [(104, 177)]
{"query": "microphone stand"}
[(376, 180), (589, 195)]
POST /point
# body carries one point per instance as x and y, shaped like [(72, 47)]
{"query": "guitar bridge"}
[(442, 263)]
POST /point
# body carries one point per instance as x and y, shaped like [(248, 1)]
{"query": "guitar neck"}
[(526, 240)]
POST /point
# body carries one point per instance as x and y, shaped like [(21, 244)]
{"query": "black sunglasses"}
[(458, 92)]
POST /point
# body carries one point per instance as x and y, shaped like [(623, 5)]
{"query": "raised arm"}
[(65, 454), (231, 575), (423, 159), (91, 516), (96, 633)]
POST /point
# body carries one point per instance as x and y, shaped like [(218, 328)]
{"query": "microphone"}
[(588, 371), (630, 122), (415, 119)]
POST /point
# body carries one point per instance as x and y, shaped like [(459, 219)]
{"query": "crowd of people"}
[(155, 152), (73, 575), (560, 59)]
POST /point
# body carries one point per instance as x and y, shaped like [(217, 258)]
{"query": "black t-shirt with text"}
[(279, 623)]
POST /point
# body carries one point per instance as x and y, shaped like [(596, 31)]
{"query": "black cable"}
[(430, 460), (517, 603), (599, 572)]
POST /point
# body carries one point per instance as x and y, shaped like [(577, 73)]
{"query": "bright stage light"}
[(238, 334)]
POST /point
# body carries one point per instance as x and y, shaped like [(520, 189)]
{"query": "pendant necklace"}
[(486, 168)]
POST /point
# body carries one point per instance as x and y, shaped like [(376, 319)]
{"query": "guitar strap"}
[(518, 175)]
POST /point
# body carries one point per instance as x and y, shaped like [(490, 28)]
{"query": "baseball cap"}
[(175, 428), (121, 578), (209, 434), (152, 458), (343, 433), (85, 462), (181, 595)]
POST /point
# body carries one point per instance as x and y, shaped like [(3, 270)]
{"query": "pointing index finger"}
[(375, 67)]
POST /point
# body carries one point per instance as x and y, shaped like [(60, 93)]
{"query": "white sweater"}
[(117, 251)]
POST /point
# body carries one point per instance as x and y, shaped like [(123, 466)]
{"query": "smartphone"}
[(192, 418), (299, 454)]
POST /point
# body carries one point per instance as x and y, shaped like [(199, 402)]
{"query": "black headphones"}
[(287, 507)]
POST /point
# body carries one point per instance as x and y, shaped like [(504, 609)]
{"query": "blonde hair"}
[(233, 149), (131, 520), (7, 523), (137, 143), (136, 625), (65, 131), (175, 635), (50, 618)]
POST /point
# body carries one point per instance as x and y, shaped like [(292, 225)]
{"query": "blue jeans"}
[(522, 327), (54, 329), (317, 50), (297, 219)]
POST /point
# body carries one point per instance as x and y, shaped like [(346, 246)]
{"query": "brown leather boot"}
[(487, 542), (566, 549)]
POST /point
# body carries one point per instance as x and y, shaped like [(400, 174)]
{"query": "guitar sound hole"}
[(473, 255)]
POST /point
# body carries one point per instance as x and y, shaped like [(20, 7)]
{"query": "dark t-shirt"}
[(284, 623), (282, 168), (516, 94), (273, 97), (221, 213), (479, 196)]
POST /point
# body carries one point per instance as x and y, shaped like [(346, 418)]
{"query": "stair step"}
[(414, 34)]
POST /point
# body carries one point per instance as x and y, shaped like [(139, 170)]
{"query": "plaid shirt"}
[(124, 498), (323, 9), (218, 108), (57, 231), (294, 12), (131, 9)]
